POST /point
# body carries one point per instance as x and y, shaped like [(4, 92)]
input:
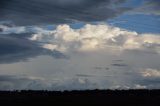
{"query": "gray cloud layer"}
[(145, 79)]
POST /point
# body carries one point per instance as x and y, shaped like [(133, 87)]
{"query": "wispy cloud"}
[(149, 7)]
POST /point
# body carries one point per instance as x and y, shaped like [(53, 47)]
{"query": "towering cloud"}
[(96, 37)]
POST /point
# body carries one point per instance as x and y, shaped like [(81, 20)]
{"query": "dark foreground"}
[(93, 97)]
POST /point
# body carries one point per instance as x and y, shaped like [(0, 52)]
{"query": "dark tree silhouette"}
[(92, 97)]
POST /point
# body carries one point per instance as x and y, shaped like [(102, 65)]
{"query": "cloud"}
[(33, 12), (149, 7), (96, 37), (78, 82), (150, 73), (92, 75), (119, 65), (7, 29), (137, 86), (13, 82), (134, 86), (92, 57), (16, 48), (22, 82), (149, 78)]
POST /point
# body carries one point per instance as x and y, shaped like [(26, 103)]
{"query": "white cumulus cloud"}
[(138, 86), (96, 37), (7, 30), (150, 73)]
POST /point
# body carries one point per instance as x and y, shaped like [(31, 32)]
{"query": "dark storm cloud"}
[(15, 48), (1, 30), (19, 36), (29, 12)]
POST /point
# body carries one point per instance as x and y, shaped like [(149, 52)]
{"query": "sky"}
[(78, 45)]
